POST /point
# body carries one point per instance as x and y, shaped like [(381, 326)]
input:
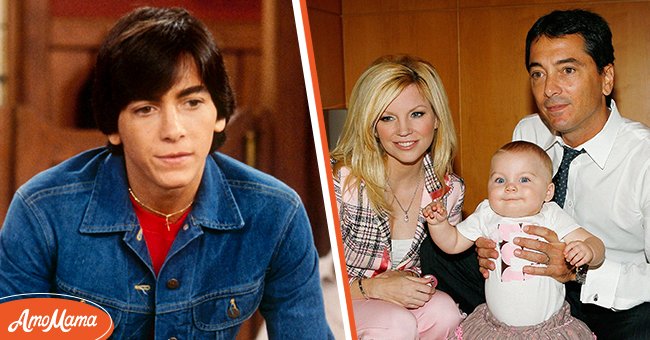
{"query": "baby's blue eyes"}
[(501, 180)]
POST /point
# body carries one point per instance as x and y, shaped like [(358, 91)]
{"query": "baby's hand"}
[(578, 253), (435, 213)]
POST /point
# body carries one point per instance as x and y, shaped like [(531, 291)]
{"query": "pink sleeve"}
[(455, 197)]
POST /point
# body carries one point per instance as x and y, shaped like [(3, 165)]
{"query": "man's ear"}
[(608, 79), (550, 191), (114, 138), (220, 125)]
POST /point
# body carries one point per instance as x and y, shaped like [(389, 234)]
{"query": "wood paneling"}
[(528, 3), (431, 35), (32, 74), (70, 69), (78, 33), (386, 7), (631, 34), (495, 88), (285, 100), (6, 153), (332, 6), (329, 52), (40, 145), (7, 117), (221, 10)]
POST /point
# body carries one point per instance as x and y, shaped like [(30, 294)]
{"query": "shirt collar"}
[(110, 209), (215, 206), (599, 146)]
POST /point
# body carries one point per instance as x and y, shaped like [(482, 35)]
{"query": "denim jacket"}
[(247, 243)]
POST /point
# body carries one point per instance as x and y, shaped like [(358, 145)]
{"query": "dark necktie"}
[(561, 177)]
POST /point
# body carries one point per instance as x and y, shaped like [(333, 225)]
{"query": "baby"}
[(519, 190)]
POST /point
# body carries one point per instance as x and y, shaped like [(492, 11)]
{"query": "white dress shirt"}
[(608, 193)]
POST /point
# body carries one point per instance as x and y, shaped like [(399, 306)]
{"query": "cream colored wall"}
[(478, 48)]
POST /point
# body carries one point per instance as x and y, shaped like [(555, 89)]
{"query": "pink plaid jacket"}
[(366, 234)]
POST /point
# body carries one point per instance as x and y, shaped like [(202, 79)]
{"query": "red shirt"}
[(156, 235)]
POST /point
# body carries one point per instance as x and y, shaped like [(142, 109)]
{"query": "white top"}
[(513, 297), (608, 193), (399, 248)]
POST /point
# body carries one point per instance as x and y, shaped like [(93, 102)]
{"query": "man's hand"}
[(550, 253), (486, 250)]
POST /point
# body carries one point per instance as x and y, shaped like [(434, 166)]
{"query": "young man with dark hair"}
[(171, 238)]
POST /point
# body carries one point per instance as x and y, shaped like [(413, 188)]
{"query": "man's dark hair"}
[(591, 26), (140, 60)]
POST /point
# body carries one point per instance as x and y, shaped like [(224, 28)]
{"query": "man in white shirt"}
[(570, 60)]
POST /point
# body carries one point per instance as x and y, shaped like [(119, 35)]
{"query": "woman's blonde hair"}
[(358, 147)]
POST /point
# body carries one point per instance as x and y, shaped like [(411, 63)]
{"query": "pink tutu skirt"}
[(481, 324)]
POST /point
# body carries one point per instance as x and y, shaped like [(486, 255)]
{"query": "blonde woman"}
[(393, 158)]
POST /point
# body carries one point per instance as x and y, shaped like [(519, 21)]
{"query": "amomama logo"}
[(52, 316)]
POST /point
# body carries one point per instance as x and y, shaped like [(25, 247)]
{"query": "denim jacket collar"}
[(110, 190)]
